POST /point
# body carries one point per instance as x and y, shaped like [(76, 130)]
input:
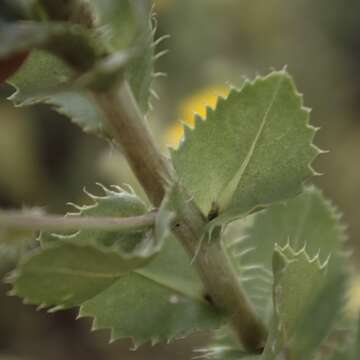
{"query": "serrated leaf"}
[(320, 317), (116, 202), (158, 302), (254, 149), (297, 282), (308, 219), (41, 77), (126, 24), (43, 71), (119, 21)]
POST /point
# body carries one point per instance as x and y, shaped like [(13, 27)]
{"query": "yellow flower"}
[(161, 5), (353, 303), (194, 104)]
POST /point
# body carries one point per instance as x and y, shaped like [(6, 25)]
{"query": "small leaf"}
[(254, 149), (297, 282), (43, 72), (307, 220), (43, 75), (117, 202), (126, 24), (121, 21), (158, 302)]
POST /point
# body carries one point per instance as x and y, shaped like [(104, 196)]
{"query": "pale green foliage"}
[(254, 149), (43, 73), (297, 280), (306, 220), (127, 24), (322, 315), (160, 301), (115, 202), (46, 78)]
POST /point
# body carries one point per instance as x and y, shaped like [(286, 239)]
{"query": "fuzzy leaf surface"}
[(41, 77), (320, 317), (254, 149), (126, 24), (307, 220), (43, 72), (297, 282), (116, 202), (121, 20), (160, 301)]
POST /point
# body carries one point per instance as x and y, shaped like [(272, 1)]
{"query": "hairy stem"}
[(21, 220), (155, 174)]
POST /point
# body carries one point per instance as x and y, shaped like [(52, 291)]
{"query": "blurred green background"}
[(45, 160)]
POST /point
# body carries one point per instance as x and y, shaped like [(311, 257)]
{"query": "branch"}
[(20, 220), (132, 133), (155, 174)]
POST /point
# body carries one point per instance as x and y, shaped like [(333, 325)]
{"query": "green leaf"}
[(254, 149), (43, 72), (320, 317), (43, 78), (116, 203), (121, 21), (306, 220), (127, 24), (158, 302), (297, 282)]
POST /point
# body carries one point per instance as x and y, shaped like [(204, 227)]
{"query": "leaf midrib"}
[(225, 196), (186, 289)]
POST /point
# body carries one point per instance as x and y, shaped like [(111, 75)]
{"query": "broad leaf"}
[(317, 323), (254, 149), (158, 302), (297, 282), (307, 220)]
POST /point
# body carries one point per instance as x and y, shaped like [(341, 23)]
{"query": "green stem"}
[(156, 175), (21, 220)]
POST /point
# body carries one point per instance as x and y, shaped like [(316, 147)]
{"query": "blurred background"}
[(45, 160)]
